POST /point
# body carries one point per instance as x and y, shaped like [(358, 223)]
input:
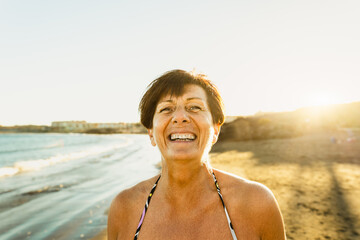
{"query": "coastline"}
[(315, 180), (70, 200)]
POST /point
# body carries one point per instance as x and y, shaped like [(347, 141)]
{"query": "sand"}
[(316, 181)]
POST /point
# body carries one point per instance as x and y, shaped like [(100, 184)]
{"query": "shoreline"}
[(70, 200), (315, 180)]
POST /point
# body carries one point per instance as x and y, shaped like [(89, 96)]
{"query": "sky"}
[(92, 60)]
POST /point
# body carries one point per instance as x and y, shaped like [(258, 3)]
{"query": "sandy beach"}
[(316, 182)]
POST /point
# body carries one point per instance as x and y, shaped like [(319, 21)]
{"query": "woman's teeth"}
[(182, 137)]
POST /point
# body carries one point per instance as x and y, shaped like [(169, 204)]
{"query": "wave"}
[(33, 165), (56, 144), (31, 149)]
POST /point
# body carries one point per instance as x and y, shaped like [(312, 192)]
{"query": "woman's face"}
[(183, 127)]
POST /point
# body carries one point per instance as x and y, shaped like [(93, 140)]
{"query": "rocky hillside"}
[(291, 124)]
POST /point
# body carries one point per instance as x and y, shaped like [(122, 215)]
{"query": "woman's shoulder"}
[(130, 198), (126, 207), (251, 201), (241, 187), (136, 192)]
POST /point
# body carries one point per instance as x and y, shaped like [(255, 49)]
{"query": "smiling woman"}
[(193, 131), (183, 113)]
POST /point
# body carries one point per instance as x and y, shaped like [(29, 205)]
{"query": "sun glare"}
[(322, 99)]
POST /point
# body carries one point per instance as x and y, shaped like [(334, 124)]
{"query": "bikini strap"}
[(223, 203), (145, 209), (152, 193)]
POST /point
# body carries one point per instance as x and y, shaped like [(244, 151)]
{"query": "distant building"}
[(83, 126), (69, 126)]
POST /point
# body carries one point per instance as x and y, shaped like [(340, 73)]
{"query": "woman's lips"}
[(182, 137)]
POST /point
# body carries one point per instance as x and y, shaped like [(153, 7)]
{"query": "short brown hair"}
[(173, 83)]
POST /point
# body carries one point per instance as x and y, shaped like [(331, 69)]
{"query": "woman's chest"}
[(209, 224), (185, 228)]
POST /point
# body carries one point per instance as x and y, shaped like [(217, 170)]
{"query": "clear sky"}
[(92, 60)]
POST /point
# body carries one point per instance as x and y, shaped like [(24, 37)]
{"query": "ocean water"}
[(60, 186), (31, 151)]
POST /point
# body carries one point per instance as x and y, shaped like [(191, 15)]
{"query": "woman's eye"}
[(194, 108), (166, 109)]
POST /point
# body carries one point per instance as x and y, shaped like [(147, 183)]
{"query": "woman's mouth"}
[(185, 137)]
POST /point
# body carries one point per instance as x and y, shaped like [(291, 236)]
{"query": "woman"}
[(183, 113)]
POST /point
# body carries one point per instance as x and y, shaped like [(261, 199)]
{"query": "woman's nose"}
[(180, 116)]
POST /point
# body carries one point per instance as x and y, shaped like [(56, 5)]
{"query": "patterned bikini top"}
[(152, 192)]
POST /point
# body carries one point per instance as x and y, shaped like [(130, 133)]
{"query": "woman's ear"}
[(151, 135), (217, 128)]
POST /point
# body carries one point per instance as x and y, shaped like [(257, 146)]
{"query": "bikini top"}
[(152, 192)]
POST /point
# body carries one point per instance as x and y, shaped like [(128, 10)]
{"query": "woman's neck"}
[(183, 181), (181, 172)]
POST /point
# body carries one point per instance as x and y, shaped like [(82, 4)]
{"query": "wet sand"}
[(70, 200)]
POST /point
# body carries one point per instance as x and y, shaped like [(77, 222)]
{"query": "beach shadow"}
[(316, 203), (303, 150), (342, 207)]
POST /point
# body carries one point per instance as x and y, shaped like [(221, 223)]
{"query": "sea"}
[(24, 152), (60, 186)]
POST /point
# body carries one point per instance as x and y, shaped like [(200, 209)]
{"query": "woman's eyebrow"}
[(194, 98), (188, 99)]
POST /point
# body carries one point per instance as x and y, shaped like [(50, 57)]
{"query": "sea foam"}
[(33, 165)]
